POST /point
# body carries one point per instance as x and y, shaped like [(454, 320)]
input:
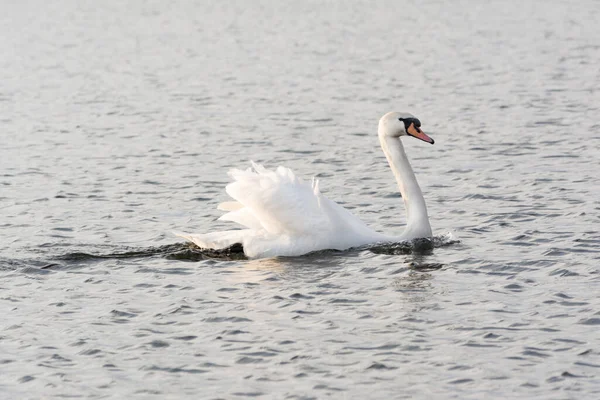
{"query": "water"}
[(119, 121)]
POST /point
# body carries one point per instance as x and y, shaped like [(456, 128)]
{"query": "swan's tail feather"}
[(215, 240), (230, 206)]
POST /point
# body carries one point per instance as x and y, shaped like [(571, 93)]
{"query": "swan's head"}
[(395, 124)]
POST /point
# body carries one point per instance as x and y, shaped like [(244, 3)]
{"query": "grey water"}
[(119, 121)]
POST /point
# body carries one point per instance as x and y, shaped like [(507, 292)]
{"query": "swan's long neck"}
[(417, 220)]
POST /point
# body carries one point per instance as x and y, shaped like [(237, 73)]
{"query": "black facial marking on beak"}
[(409, 121)]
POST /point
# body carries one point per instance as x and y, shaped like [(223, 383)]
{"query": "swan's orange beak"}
[(419, 134)]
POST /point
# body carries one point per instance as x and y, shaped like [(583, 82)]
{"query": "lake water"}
[(119, 121)]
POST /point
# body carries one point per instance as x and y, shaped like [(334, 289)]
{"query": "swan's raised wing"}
[(276, 201)]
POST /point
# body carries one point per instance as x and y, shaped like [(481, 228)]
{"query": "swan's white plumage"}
[(284, 216)]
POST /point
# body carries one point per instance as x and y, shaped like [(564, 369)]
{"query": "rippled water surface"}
[(119, 121)]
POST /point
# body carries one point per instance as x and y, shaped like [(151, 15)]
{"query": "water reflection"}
[(421, 262), (417, 282), (313, 267)]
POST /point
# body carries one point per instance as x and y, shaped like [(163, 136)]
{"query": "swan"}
[(285, 216)]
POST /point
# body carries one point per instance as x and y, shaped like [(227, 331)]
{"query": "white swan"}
[(285, 216)]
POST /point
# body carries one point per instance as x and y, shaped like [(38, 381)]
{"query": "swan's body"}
[(285, 216)]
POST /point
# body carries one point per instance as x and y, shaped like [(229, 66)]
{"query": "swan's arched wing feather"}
[(242, 216), (279, 201)]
